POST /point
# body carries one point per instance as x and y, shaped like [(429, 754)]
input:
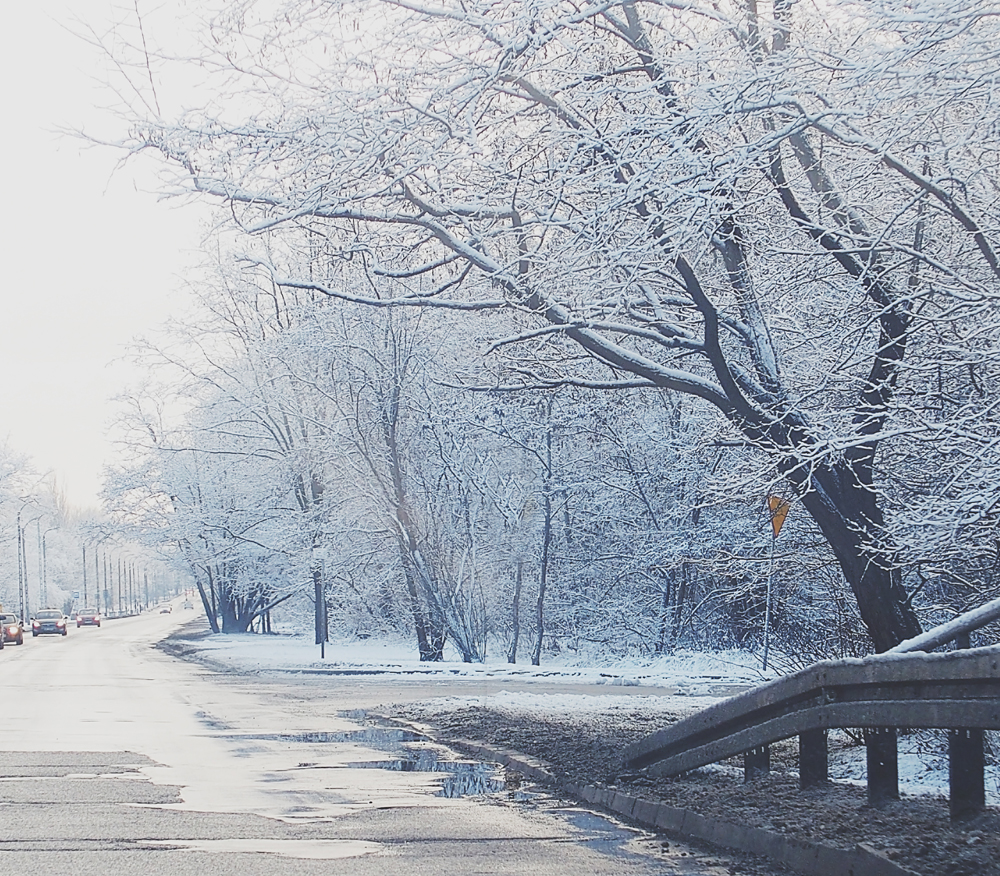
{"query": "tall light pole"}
[(22, 563), (43, 595), (38, 542), (319, 555), (20, 567)]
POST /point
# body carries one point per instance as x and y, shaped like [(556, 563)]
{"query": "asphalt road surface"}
[(116, 758)]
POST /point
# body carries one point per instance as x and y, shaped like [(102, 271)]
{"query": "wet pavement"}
[(121, 759)]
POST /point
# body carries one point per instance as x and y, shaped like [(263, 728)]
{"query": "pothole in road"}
[(325, 850)]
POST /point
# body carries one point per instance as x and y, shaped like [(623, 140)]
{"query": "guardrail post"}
[(883, 767), (966, 784), (813, 768), (756, 763)]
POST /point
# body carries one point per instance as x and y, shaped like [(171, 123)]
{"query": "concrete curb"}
[(804, 857)]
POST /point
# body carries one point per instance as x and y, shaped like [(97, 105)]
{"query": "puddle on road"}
[(382, 738), (325, 850), (457, 778)]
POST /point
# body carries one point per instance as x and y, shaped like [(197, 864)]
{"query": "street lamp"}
[(319, 556), (22, 561), (43, 595)]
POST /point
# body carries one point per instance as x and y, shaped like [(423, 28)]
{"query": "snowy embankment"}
[(686, 673), (679, 683)]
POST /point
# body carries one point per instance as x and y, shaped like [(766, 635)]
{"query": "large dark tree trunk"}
[(848, 514), (232, 620)]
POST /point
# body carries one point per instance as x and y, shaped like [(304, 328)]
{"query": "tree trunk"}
[(515, 611), (846, 511), (543, 579), (430, 640), (665, 612), (213, 621), (231, 620)]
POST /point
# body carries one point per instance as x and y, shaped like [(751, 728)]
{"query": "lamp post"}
[(22, 563), (83, 547), (107, 598), (319, 555), (100, 589), (20, 567), (43, 595), (97, 580)]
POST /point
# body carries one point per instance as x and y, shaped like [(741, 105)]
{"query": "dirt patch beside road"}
[(586, 748)]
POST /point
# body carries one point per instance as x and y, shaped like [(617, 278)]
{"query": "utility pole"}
[(25, 605), (43, 594), (41, 562), (20, 567)]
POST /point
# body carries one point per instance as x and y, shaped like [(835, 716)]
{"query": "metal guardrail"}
[(957, 691)]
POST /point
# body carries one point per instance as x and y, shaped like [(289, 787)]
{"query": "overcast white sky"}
[(91, 258)]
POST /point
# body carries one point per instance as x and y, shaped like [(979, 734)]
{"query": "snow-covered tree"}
[(786, 211)]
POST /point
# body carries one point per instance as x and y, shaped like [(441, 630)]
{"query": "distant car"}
[(12, 629), (88, 617), (188, 604), (48, 620), (166, 608)]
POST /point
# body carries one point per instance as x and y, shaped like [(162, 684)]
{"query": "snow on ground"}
[(681, 682), (687, 673)]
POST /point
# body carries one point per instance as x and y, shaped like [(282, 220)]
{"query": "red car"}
[(88, 617), (12, 630)]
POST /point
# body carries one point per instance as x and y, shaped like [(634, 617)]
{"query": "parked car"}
[(88, 617), (48, 620), (12, 629)]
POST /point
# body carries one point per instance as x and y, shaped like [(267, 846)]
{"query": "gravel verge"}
[(584, 747)]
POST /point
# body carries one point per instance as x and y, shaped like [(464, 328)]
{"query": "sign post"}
[(778, 508)]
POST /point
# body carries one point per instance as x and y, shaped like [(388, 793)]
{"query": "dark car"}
[(88, 617), (48, 620), (12, 629)]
